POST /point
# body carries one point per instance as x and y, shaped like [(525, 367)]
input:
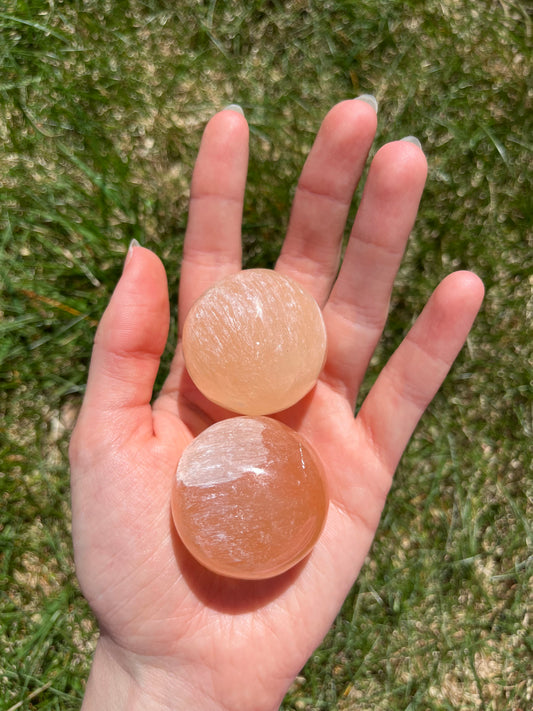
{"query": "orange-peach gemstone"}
[(249, 499), (255, 342)]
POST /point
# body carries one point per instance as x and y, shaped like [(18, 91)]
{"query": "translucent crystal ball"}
[(249, 499), (255, 342)]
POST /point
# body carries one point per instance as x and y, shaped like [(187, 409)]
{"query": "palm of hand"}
[(151, 599)]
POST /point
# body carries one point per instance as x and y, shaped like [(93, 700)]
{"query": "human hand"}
[(174, 635)]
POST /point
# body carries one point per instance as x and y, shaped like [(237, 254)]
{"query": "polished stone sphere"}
[(255, 342), (249, 499)]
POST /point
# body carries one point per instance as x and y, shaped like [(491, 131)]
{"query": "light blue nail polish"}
[(134, 243), (369, 99), (234, 107), (412, 139)]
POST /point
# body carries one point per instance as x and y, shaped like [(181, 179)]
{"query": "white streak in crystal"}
[(302, 460), (222, 453)]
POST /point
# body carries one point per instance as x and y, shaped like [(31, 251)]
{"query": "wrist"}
[(119, 681)]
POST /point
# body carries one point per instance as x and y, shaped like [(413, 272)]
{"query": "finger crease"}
[(219, 197), (314, 193)]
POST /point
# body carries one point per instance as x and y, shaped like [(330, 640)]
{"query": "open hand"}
[(174, 635)]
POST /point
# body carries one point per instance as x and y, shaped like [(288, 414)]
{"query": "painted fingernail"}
[(134, 243), (370, 99), (412, 139), (234, 107)]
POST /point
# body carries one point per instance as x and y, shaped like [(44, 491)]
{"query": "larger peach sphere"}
[(255, 342), (249, 499)]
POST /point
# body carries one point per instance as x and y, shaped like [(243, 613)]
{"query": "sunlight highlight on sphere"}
[(255, 342), (249, 499)]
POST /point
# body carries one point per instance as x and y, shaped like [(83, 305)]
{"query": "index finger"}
[(212, 247)]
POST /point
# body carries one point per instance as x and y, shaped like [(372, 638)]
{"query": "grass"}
[(102, 106)]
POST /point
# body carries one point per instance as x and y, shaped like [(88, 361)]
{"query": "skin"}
[(173, 635)]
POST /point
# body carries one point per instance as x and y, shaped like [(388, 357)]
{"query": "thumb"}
[(128, 345)]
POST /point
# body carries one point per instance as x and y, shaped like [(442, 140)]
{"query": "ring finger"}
[(357, 308)]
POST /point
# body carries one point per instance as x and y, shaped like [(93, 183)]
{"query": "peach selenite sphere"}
[(255, 342), (249, 499)]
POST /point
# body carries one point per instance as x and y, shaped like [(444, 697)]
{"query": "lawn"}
[(102, 106)]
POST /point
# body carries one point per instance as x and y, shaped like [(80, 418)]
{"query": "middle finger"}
[(311, 250)]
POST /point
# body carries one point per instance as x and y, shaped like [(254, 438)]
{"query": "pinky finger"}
[(415, 372)]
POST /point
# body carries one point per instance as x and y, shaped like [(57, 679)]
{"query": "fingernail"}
[(234, 107), (370, 99), (412, 139), (134, 243)]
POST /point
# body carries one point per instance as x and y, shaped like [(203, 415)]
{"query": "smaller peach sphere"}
[(249, 498), (255, 342)]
